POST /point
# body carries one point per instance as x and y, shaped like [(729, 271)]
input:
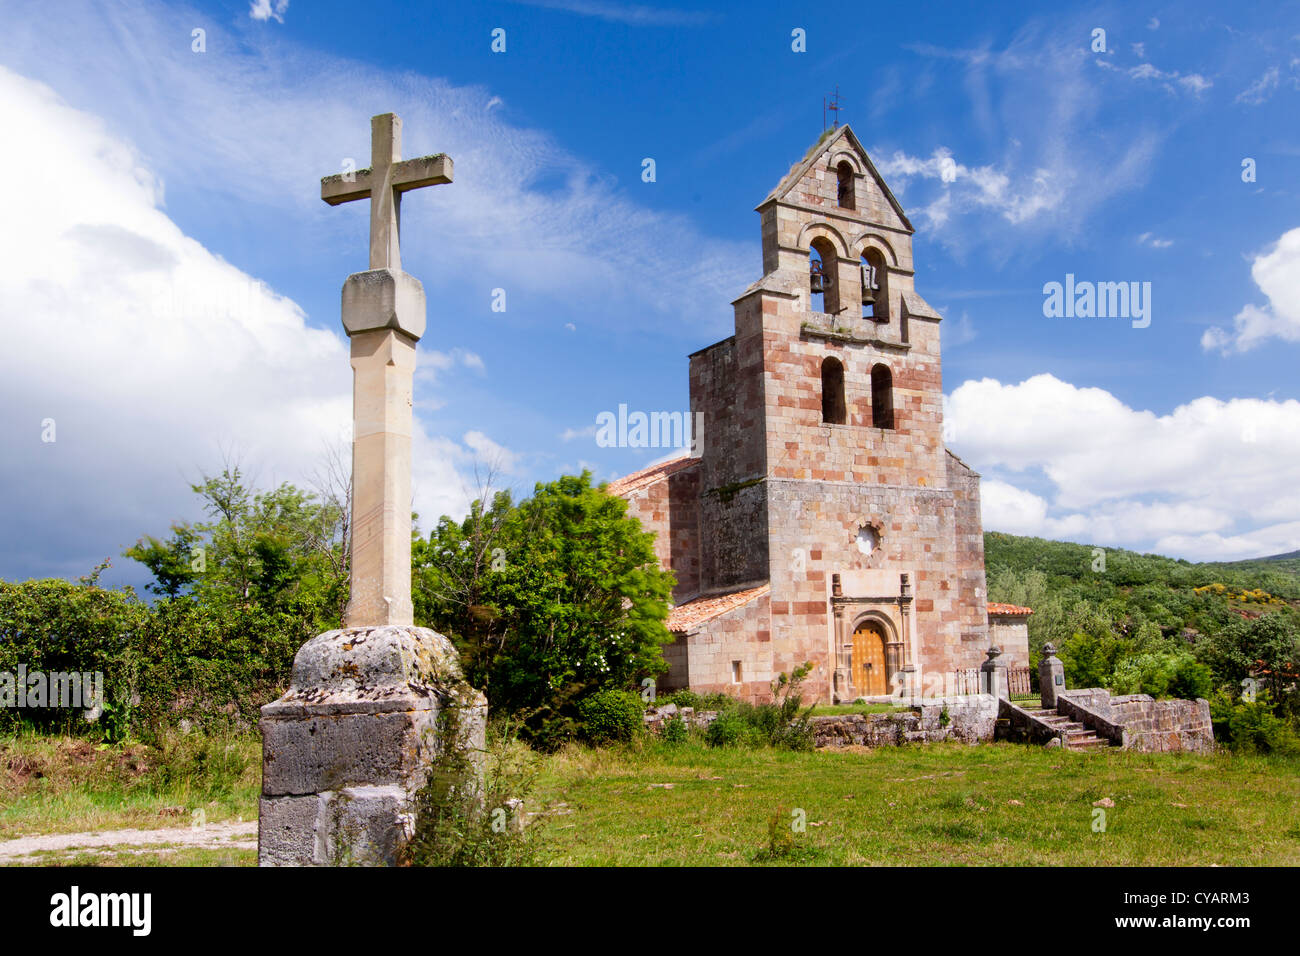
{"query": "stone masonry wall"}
[(970, 720), (670, 508), (969, 555), (744, 635), (1148, 725), (823, 518)]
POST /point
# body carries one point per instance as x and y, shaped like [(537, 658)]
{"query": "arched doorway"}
[(869, 668)]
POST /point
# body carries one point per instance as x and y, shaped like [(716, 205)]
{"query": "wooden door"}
[(869, 677)]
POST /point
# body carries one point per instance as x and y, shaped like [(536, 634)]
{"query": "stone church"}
[(821, 518)]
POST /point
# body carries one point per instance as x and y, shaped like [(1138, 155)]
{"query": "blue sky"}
[(174, 280)]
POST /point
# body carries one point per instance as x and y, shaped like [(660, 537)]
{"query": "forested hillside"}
[(1143, 623)]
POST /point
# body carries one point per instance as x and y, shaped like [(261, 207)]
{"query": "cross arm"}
[(422, 171), (335, 189)]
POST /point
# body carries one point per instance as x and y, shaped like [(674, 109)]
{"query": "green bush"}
[(675, 731), (778, 724), (1252, 726), (52, 626), (468, 813), (689, 698), (610, 716), (1163, 674), (732, 728), (215, 666)]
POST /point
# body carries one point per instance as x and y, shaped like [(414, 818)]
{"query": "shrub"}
[(779, 724), (682, 698), (1163, 674), (1252, 726), (675, 731), (463, 818), (610, 716), (53, 626), (732, 728)]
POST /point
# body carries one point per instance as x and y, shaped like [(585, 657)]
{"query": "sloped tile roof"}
[(692, 614), (648, 476), (1010, 609)]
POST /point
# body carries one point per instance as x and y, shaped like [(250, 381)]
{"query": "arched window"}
[(882, 396), (875, 286), (833, 407), (844, 189), (822, 264)]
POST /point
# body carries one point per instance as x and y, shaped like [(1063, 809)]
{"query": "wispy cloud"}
[(1169, 80), (1261, 89), (269, 128), (633, 14), (1029, 101), (1152, 240)]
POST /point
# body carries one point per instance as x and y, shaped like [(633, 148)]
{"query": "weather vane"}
[(832, 105)]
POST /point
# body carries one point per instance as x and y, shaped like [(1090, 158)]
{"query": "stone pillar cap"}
[(371, 670), (383, 299)]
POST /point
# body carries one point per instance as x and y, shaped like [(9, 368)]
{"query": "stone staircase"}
[(1074, 734)]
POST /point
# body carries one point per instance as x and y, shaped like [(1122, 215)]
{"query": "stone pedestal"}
[(346, 749), (993, 675), (1051, 676)]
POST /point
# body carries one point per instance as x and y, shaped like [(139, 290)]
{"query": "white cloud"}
[(1277, 273), (151, 354), (1032, 98), (1192, 82), (1210, 479), (1261, 89), (262, 10), (261, 131), (633, 14), (489, 453), (1150, 239), (968, 187), (569, 434), (1153, 24), (433, 360)]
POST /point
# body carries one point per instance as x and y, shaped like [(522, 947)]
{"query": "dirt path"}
[(213, 836)]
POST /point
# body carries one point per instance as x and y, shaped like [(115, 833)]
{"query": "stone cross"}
[(384, 316), (383, 184)]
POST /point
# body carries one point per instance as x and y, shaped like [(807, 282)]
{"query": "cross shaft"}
[(383, 184)]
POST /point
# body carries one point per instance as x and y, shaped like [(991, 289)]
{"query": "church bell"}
[(817, 278)]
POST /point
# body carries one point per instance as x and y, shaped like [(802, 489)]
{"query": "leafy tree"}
[(1267, 647), (277, 549), (549, 600)]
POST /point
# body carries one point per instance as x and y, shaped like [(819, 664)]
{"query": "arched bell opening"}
[(822, 264), (875, 286)]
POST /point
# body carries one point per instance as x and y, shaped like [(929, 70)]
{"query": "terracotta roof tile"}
[(624, 486), (1011, 609), (692, 614)]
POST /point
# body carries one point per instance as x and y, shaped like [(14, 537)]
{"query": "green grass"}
[(185, 856), (935, 805), (63, 785), (947, 804)]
